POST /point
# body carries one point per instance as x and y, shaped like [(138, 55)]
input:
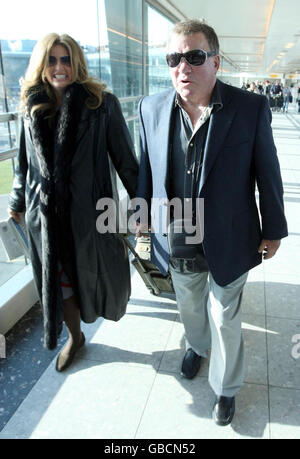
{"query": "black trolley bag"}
[(279, 102), (272, 102), (154, 280)]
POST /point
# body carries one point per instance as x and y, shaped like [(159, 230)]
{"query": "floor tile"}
[(254, 334), (180, 408), (283, 360), (282, 295), (92, 401), (253, 301), (284, 413), (139, 338)]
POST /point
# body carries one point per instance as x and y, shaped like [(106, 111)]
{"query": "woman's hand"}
[(141, 228), (15, 215)]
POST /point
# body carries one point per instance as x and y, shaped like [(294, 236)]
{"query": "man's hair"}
[(192, 26)]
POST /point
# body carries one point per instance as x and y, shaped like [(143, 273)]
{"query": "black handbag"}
[(184, 252)]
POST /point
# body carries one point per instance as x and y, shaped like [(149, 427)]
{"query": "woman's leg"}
[(76, 337)]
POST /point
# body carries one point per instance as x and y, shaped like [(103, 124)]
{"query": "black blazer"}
[(239, 154)]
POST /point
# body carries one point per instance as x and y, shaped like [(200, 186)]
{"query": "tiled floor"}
[(125, 383)]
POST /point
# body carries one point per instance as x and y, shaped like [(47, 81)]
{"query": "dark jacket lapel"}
[(219, 126)]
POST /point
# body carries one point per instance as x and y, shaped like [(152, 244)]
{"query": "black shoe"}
[(223, 410), (190, 364)]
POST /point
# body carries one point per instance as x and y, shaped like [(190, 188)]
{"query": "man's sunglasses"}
[(195, 57)]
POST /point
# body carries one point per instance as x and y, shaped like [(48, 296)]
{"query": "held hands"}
[(15, 215), (268, 248), (140, 228)]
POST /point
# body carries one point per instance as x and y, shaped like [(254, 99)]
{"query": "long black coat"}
[(60, 177)]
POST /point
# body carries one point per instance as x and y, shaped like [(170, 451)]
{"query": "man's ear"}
[(217, 62)]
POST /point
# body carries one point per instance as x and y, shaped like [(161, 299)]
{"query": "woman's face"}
[(58, 71)]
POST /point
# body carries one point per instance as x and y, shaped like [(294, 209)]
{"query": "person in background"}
[(286, 92), (268, 89), (253, 88), (276, 88), (260, 87), (206, 139), (71, 130)]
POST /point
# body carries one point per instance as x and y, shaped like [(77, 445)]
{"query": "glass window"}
[(159, 28), (121, 44), (228, 73), (125, 46)]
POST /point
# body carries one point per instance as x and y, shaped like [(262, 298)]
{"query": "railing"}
[(7, 118)]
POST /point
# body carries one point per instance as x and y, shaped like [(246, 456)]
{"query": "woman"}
[(70, 124)]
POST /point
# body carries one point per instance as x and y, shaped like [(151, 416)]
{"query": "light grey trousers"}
[(211, 316)]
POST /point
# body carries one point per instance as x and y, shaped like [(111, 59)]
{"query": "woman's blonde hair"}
[(35, 76)]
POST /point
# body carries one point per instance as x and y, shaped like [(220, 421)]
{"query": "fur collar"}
[(67, 120)]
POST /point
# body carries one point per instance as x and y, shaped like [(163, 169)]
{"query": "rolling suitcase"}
[(272, 102), (152, 277), (279, 103)]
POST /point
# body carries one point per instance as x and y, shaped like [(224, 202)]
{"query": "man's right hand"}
[(15, 215)]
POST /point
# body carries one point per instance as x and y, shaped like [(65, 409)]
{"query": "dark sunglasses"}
[(64, 60), (195, 57)]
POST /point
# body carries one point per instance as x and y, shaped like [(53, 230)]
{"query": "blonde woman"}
[(70, 128)]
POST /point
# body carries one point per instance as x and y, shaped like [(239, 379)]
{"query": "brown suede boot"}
[(76, 337)]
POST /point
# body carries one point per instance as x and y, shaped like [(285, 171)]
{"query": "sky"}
[(32, 19)]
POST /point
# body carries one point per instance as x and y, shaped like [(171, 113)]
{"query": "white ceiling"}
[(252, 33)]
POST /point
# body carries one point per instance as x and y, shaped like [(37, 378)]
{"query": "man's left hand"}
[(269, 248)]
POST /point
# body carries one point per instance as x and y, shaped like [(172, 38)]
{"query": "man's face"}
[(193, 82)]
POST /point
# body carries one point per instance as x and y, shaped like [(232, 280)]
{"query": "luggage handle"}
[(131, 248), (147, 274)]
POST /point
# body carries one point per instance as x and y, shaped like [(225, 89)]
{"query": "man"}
[(225, 132), (276, 88)]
